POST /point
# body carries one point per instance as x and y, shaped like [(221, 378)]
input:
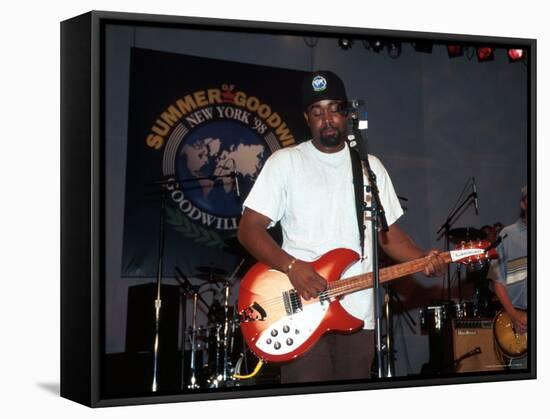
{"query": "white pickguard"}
[(289, 333)]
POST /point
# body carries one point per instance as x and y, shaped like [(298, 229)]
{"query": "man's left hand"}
[(436, 266)]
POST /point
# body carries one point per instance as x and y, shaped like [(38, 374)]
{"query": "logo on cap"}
[(319, 83)]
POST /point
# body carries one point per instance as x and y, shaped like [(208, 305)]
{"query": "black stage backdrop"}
[(198, 123)]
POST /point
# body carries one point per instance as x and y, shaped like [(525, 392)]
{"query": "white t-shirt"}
[(311, 193)]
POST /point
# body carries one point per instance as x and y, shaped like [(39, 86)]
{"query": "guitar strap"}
[(359, 189)]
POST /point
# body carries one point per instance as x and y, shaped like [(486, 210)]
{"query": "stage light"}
[(345, 43), (455, 51), (375, 45), (515, 54), (394, 49), (425, 47), (485, 54)]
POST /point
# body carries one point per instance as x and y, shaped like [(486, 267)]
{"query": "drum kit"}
[(436, 317), (212, 346), (217, 350)]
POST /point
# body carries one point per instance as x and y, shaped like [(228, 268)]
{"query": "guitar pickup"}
[(292, 302)]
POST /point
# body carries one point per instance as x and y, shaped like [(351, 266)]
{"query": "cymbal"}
[(457, 235), (211, 270)]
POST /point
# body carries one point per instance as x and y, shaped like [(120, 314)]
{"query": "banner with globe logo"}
[(199, 131)]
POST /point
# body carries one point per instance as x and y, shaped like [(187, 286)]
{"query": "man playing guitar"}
[(309, 189)]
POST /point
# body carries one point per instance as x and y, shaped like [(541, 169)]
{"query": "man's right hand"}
[(254, 237), (306, 280), (519, 318)]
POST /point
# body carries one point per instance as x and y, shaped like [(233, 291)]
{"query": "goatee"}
[(330, 140)]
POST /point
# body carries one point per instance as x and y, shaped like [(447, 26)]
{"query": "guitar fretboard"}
[(364, 281)]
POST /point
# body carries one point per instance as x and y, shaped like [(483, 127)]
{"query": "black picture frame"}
[(83, 213)]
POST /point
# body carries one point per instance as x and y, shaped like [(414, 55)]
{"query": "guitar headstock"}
[(473, 252)]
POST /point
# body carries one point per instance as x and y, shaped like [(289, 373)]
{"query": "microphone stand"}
[(158, 301), (378, 216), (446, 226), (395, 297)]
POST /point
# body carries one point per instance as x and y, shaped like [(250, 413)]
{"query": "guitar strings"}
[(333, 291)]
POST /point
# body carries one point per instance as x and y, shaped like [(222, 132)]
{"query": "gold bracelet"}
[(290, 265)]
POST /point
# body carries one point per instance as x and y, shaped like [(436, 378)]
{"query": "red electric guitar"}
[(278, 325)]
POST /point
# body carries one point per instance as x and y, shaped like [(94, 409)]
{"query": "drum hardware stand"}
[(193, 383), (446, 227), (188, 288), (223, 375), (227, 285), (377, 217), (194, 290)]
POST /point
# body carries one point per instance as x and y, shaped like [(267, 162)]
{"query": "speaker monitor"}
[(473, 341)]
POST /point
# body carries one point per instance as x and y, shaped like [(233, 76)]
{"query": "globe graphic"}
[(207, 158)]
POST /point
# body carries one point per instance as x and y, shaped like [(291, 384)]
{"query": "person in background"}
[(490, 232), (510, 274), (498, 226)]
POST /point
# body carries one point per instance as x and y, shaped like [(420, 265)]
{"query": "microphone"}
[(353, 107), (359, 125), (236, 180), (474, 187), (355, 103)]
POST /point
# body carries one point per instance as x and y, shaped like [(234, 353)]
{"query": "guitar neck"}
[(364, 281)]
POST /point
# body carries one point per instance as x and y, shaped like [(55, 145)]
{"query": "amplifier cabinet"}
[(473, 341)]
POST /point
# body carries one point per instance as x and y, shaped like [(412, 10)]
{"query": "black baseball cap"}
[(322, 85)]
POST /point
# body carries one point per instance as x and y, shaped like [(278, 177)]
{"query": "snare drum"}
[(433, 318)]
